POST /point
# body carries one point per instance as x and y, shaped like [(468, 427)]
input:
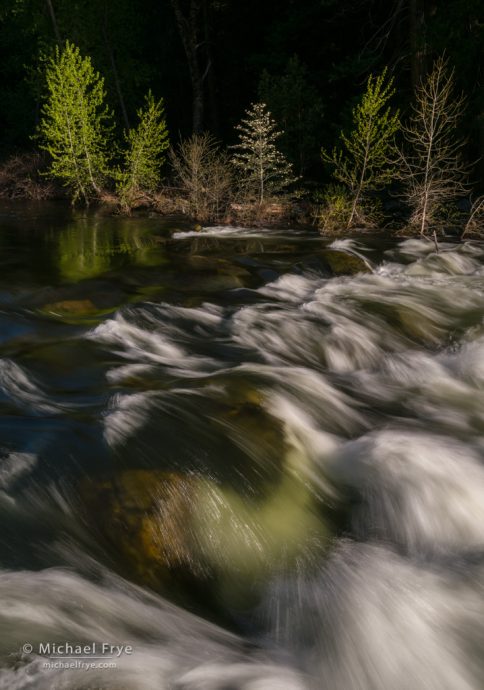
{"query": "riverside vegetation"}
[(417, 163)]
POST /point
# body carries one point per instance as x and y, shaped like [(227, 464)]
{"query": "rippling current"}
[(255, 457)]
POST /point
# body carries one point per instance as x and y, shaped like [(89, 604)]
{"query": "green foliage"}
[(264, 169), (145, 153), (297, 106), (76, 124), (363, 162), (334, 209)]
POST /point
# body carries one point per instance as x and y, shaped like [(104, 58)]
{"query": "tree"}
[(264, 168), (194, 29), (76, 124), (203, 173), (53, 18), (298, 108), (433, 171), (363, 161), (145, 153)]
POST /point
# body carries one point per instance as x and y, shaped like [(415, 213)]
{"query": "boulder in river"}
[(166, 523), (71, 307), (342, 263)]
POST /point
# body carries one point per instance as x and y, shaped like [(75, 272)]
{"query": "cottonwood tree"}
[(432, 168), (264, 169), (363, 161), (76, 125), (145, 153)]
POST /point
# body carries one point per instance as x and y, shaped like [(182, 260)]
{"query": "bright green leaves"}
[(364, 161), (144, 154), (76, 130), (76, 127)]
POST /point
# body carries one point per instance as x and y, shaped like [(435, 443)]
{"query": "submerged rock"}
[(199, 262), (71, 307), (168, 525), (144, 515), (342, 263)]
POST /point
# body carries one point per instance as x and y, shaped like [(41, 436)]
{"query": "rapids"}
[(326, 429)]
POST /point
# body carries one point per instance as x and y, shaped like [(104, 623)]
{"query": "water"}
[(255, 457)]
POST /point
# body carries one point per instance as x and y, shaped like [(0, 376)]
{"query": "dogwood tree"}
[(264, 170)]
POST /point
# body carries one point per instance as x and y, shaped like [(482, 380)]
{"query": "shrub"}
[(204, 177), (20, 178), (334, 209), (335, 204), (475, 221)]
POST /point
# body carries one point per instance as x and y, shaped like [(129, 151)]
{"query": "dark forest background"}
[(210, 59)]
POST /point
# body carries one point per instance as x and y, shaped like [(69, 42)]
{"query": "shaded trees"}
[(194, 27), (137, 44), (29, 30), (298, 108)]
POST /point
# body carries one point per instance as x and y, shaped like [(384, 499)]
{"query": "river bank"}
[(22, 179)]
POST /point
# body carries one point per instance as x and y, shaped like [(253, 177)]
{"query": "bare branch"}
[(431, 165)]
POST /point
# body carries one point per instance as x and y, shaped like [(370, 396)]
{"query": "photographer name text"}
[(69, 650)]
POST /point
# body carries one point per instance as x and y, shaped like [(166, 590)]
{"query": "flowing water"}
[(254, 457)]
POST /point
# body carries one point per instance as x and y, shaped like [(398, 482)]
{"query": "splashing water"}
[(276, 487)]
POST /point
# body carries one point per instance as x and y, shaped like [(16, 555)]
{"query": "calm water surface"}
[(256, 457)]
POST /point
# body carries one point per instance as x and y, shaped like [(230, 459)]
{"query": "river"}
[(238, 459)]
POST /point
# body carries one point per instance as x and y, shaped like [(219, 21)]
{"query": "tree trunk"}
[(359, 189), (188, 27), (211, 76), (53, 19)]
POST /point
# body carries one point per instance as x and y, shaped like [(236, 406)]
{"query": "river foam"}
[(365, 391)]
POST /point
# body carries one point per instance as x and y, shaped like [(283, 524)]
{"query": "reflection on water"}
[(90, 247), (256, 457)]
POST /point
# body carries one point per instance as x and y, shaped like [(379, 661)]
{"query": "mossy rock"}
[(71, 307), (214, 282), (341, 263), (216, 265), (145, 516), (166, 525)]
